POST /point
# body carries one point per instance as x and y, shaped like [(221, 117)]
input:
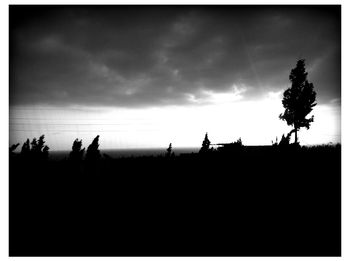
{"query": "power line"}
[(49, 109), (69, 124), (45, 130), (129, 121), (44, 119)]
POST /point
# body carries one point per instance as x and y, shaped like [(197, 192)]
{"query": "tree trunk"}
[(296, 136)]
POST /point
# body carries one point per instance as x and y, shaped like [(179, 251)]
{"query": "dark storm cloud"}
[(138, 56)]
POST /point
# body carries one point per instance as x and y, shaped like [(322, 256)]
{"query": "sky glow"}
[(256, 122), (142, 77)]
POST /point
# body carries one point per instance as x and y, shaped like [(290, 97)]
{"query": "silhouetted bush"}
[(25, 148), (13, 147), (46, 152), (274, 143), (33, 144), (238, 143), (36, 150), (169, 151), (284, 140), (77, 152), (93, 153)]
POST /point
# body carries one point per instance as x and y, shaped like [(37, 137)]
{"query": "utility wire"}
[(29, 123)]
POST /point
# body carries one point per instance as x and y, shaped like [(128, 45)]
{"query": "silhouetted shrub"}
[(169, 151), (45, 152), (284, 140), (274, 143), (93, 153), (33, 144), (40, 145), (25, 148), (77, 152), (13, 147), (238, 143), (36, 150), (40, 150)]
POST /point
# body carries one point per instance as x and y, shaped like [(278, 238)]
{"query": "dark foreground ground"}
[(261, 202)]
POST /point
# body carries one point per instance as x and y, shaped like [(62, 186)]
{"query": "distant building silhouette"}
[(230, 147)]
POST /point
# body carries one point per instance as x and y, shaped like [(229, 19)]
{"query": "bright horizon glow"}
[(225, 120)]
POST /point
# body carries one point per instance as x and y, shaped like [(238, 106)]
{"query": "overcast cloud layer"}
[(149, 56)]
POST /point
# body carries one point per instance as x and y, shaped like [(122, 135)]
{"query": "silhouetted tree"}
[(298, 100), (77, 152), (93, 153), (25, 148), (205, 144)]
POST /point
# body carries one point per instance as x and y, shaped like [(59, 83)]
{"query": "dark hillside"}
[(267, 202)]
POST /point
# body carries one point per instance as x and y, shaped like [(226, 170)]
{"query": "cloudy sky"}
[(147, 76)]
